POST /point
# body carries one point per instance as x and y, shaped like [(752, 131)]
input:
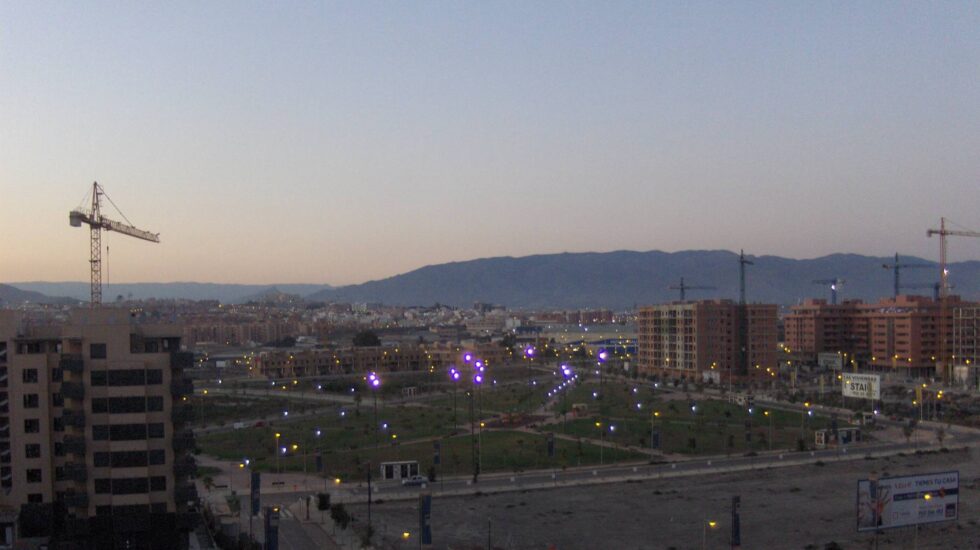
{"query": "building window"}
[(57, 400), (158, 483), (34, 475), (155, 430), (32, 450), (35, 498), (97, 351), (56, 375), (127, 377), (30, 376), (59, 449), (31, 401), (158, 507), (32, 425), (103, 486), (121, 432), (158, 456)]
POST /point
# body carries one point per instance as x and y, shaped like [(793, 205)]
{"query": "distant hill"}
[(11, 296), (225, 293), (624, 278)]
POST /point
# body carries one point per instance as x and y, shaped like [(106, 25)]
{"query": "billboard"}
[(909, 500), (862, 386), (832, 361)]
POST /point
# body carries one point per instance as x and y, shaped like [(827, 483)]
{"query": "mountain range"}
[(615, 280)]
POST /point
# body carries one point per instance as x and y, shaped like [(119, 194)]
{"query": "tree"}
[(509, 341), (907, 431), (366, 338), (339, 515)]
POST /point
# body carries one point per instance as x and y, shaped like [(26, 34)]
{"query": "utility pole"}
[(743, 333)]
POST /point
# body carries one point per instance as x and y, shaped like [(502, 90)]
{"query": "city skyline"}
[(345, 143)]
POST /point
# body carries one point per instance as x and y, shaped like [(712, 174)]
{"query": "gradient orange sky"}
[(345, 142)]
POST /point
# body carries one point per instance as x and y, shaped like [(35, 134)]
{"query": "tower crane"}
[(897, 268), (944, 285), (684, 288), (834, 283), (97, 222)]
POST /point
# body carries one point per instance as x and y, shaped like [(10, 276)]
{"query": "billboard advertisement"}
[(832, 361), (862, 386), (909, 500)]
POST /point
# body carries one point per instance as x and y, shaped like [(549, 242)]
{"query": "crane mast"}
[(685, 287), (944, 286), (97, 222)]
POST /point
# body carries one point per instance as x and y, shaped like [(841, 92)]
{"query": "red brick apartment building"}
[(688, 339), (897, 333)]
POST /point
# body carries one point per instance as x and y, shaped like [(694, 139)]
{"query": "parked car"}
[(415, 480)]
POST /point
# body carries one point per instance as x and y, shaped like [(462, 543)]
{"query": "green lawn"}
[(503, 451), (225, 409), (715, 426)]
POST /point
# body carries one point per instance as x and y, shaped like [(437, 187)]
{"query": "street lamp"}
[(567, 375), (769, 416), (454, 376), (477, 380), (528, 359), (374, 383), (278, 435), (706, 524)]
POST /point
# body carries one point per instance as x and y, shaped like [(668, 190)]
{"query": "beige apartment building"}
[(92, 430), (703, 340)]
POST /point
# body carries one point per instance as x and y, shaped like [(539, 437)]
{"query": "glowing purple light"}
[(529, 351), (478, 379), (467, 357), (603, 355)]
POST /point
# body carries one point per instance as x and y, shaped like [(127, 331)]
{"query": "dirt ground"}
[(784, 508)]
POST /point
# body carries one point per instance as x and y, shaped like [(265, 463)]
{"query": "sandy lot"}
[(784, 508)]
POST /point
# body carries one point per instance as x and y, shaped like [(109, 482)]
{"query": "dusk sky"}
[(279, 142)]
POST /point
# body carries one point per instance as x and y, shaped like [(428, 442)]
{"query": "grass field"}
[(503, 451), (218, 409)]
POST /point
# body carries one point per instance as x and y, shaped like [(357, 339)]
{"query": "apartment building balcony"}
[(76, 471), (184, 441), (181, 387), (76, 500), (182, 414), (185, 466), (74, 445), (72, 363), (5, 431), (73, 418), (73, 390), (185, 493), (187, 521), (181, 360)]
